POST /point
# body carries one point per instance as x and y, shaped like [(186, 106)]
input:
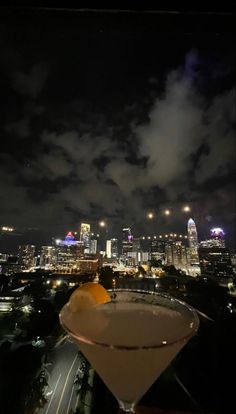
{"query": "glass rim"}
[(183, 338)]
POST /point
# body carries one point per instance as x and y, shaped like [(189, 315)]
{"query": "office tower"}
[(48, 257), (176, 255), (217, 236), (108, 249), (168, 254), (215, 261), (26, 256), (179, 255), (85, 236), (193, 242), (67, 257), (112, 248), (136, 247), (93, 246), (127, 241), (158, 246)]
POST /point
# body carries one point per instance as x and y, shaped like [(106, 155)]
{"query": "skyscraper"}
[(215, 261), (127, 241), (193, 241), (48, 257), (93, 246), (85, 236), (108, 249), (26, 256), (112, 248)]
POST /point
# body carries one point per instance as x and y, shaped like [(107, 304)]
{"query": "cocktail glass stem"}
[(126, 407)]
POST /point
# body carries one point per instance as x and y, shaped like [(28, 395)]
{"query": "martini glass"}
[(132, 339)]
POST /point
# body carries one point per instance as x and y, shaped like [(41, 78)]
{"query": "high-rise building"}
[(215, 261), (176, 255), (68, 257), (26, 256), (136, 247), (48, 257), (157, 246), (93, 246), (193, 242), (108, 249), (112, 249), (85, 236), (127, 241)]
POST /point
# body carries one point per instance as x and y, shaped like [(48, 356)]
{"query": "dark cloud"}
[(30, 83), (94, 152)]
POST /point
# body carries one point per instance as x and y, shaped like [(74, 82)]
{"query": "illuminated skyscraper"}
[(112, 248), (26, 256), (193, 241), (127, 241), (85, 236), (48, 257), (93, 246), (108, 249), (215, 261)]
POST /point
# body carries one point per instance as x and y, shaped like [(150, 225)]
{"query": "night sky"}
[(111, 115)]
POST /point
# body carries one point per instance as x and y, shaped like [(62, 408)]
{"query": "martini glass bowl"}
[(132, 339)]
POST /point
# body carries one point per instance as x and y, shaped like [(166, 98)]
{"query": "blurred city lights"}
[(150, 216), (102, 223), (186, 209), (167, 212)]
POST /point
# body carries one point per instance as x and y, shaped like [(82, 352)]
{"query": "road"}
[(63, 365)]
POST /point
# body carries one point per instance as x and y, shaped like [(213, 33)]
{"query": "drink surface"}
[(131, 324)]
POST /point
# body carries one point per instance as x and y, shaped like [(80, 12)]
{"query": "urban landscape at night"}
[(117, 211), (36, 282)]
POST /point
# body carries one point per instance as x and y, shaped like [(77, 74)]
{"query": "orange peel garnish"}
[(87, 296)]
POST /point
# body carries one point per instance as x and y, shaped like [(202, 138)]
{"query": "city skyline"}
[(100, 232)]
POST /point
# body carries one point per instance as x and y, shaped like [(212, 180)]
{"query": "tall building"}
[(108, 249), (26, 256), (215, 261), (193, 242), (136, 247), (176, 255), (112, 248), (93, 246), (127, 241), (67, 257), (85, 236), (48, 257)]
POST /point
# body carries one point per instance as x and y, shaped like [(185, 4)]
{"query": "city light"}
[(150, 216), (9, 229), (102, 223), (217, 232), (186, 209), (167, 212)]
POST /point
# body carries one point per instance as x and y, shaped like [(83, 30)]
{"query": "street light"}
[(102, 223), (167, 212)]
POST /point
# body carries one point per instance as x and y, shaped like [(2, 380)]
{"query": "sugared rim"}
[(163, 344)]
